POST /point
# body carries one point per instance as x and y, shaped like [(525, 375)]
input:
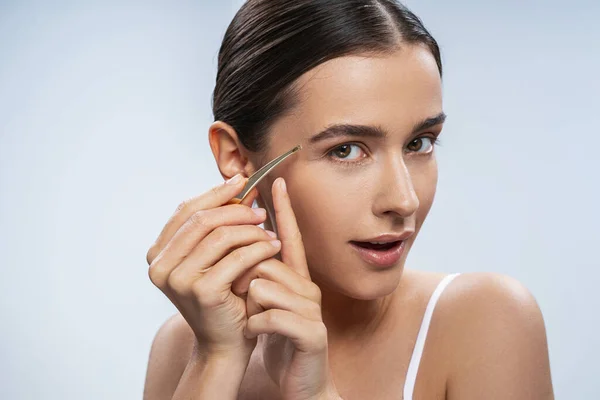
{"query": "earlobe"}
[(227, 149)]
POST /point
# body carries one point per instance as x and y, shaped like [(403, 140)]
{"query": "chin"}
[(375, 284), (353, 280)]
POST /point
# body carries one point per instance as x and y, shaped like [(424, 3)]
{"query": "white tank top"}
[(413, 366)]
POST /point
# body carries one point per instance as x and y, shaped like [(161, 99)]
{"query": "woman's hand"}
[(284, 303), (204, 247)]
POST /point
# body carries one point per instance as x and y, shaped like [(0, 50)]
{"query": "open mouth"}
[(377, 246), (380, 254)]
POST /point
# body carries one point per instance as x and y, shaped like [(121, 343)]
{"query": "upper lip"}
[(390, 237)]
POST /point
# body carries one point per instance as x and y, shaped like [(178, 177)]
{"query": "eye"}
[(422, 145), (351, 152)]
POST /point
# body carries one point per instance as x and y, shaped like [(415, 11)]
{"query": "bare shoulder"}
[(169, 355), (496, 338), (485, 299)]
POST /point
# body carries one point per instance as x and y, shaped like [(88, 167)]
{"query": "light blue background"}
[(104, 111)]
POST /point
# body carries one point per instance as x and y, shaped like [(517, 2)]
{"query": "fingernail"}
[(275, 243), (234, 180), (271, 233), (282, 185), (261, 212)]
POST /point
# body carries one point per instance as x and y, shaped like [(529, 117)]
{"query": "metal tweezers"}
[(260, 174)]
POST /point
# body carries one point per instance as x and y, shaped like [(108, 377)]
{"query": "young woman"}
[(318, 305)]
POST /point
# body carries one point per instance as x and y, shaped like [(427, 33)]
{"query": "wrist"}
[(219, 357), (210, 375)]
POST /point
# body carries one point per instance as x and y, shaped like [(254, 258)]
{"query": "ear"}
[(230, 154)]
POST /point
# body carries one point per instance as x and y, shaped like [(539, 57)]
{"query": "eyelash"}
[(435, 141)]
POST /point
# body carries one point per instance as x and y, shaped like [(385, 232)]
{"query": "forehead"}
[(394, 91)]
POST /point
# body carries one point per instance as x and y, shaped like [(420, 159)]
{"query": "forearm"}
[(217, 378)]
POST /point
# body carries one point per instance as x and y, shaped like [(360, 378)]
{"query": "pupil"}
[(343, 151), (419, 144)]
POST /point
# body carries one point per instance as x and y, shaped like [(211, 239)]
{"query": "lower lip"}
[(381, 258)]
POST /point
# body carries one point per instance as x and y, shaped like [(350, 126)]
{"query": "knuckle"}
[(215, 190), (251, 292), (320, 334), (271, 317), (157, 275), (238, 256), (316, 293), (297, 235), (199, 218), (242, 211), (263, 268), (221, 234), (182, 205), (199, 289), (178, 282), (260, 232)]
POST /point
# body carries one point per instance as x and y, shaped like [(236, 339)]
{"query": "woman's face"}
[(347, 186)]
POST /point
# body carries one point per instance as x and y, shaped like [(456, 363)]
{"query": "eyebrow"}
[(338, 130)]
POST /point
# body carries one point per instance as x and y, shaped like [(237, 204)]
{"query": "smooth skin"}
[(487, 339), (197, 267)]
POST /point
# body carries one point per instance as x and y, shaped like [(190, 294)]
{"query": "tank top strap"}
[(413, 366)]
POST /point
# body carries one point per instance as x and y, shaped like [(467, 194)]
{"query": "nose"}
[(396, 194)]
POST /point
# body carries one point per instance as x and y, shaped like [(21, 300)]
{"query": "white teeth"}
[(379, 242)]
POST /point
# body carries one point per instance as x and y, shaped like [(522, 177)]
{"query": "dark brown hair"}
[(270, 43)]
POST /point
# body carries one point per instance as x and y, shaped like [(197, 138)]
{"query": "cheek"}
[(321, 204), (425, 179), (314, 205)]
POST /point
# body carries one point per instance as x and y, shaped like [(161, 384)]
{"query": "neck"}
[(352, 321)]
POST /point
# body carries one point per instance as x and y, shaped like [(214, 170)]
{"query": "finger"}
[(265, 295), (198, 226), (276, 271), (224, 272), (292, 247), (220, 242), (215, 197), (250, 197), (307, 335)]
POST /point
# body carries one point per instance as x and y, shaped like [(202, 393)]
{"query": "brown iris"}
[(343, 151), (419, 144)]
